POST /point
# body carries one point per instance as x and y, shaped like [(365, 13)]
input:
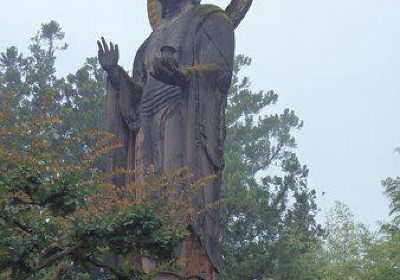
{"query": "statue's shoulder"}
[(212, 11), (207, 9)]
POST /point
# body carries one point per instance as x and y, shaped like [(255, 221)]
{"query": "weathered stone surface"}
[(170, 113)]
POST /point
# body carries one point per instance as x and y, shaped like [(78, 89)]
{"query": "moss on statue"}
[(212, 9), (201, 69)]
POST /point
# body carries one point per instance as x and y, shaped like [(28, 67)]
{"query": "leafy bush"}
[(58, 217)]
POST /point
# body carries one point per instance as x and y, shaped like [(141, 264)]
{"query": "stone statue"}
[(170, 113)]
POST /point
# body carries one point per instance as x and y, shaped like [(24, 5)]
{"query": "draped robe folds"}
[(171, 127)]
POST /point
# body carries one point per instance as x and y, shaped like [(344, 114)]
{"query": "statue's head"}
[(163, 9)]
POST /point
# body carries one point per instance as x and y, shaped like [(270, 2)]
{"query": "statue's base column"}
[(193, 261)]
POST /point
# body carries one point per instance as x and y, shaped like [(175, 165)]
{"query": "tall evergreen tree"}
[(392, 191), (268, 210), (77, 100)]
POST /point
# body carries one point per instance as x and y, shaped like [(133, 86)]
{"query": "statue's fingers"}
[(116, 48), (105, 46), (167, 63), (173, 62), (163, 73), (158, 68), (112, 46), (166, 76), (157, 65), (169, 74), (100, 47), (156, 72), (166, 70)]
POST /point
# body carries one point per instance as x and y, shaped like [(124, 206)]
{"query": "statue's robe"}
[(171, 127)]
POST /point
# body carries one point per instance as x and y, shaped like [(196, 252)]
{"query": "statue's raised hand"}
[(108, 55)]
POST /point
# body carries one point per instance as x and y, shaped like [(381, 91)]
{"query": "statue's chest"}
[(173, 34)]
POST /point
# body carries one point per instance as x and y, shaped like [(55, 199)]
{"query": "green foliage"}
[(267, 210), (29, 79), (343, 246), (382, 258), (59, 218), (392, 191), (53, 212), (349, 251)]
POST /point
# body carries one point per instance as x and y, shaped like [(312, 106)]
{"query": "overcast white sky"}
[(335, 62)]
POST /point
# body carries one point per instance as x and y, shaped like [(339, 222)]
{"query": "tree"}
[(267, 210), (383, 256), (344, 245), (58, 214), (392, 191), (31, 78), (78, 100), (349, 251), (55, 215)]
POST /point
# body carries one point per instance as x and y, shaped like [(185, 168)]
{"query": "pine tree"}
[(268, 210)]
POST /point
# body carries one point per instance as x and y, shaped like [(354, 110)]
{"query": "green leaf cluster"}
[(350, 251)]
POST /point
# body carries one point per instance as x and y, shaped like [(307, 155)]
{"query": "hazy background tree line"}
[(268, 210)]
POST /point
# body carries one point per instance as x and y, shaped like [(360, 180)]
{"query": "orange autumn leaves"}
[(54, 193)]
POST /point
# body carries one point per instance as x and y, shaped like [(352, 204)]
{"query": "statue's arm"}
[(213, 70), (124, 93), (117, 76)]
